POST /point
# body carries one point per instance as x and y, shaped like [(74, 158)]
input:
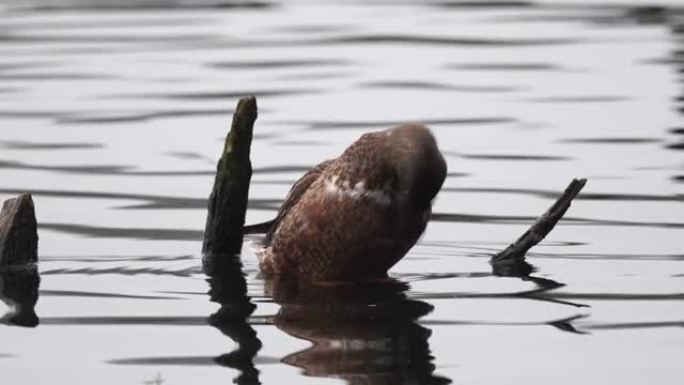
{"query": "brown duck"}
[(353, 217)]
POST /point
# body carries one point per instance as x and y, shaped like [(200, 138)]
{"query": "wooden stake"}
[(228, 200), (541, 228), (18, 232)]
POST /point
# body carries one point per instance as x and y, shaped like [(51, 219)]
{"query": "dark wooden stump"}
[(228, 200), (18, 232)]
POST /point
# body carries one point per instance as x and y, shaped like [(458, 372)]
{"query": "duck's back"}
[(347, 219)]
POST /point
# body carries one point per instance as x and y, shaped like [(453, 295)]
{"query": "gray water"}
[(113, 114)]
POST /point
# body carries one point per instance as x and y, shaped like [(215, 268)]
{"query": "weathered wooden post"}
[(228, 200), (19, 277), (223, 241), (18, 232)]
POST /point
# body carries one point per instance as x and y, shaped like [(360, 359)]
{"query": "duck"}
[(353, 217)]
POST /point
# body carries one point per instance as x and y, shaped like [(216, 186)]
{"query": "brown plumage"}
[(353, 217)]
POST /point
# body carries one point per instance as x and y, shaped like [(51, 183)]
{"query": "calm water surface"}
[(113, 117)]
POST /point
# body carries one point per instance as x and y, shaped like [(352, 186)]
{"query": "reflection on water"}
[(113, 113), (19, 289), (364, 334), (520, 268), (228, 288), (678, 142)]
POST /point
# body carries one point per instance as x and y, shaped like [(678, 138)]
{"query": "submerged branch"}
[(515, 252)]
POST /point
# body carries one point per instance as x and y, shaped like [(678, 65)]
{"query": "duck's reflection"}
[(19, 290), (363, 333)]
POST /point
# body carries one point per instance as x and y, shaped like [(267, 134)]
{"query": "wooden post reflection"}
[(228, 288), (19, 289)]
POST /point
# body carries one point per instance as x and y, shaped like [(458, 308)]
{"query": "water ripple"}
[(550, 194), (124, 270), (444, 41), (315, 125), (90, 294), (570, 221), (25, 145), (185, 360)]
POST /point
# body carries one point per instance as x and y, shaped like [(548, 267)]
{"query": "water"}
[(113, 117)]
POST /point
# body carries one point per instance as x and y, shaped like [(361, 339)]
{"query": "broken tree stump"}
[(514, 254), (228, 200), (18, 232)]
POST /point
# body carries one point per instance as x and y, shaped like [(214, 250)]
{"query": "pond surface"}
[(113, 115)]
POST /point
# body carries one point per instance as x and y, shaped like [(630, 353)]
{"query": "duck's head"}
[(420, 166)]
